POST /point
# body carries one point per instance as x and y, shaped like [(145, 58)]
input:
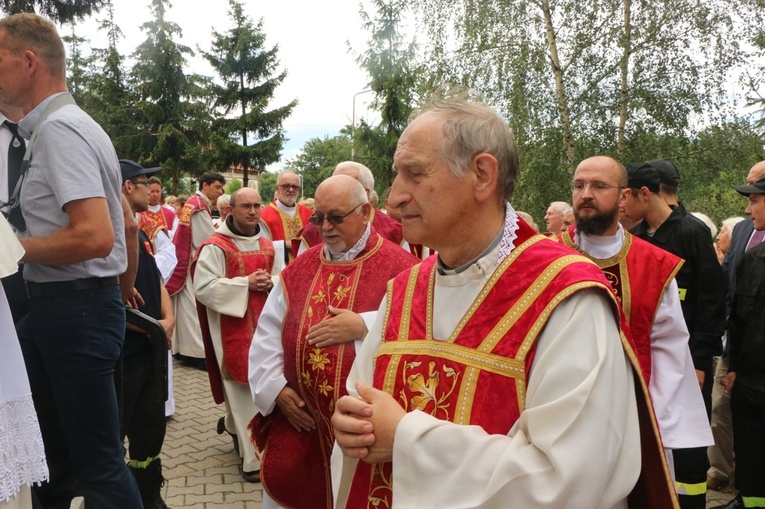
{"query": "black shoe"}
[(196, 363), (736, 503), (222, 427), (150, 481)]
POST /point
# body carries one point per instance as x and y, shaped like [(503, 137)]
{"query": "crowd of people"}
[(440, 353)]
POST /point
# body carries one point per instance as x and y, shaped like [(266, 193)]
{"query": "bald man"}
[(386, 226), (232, 277), (303, 347), (283, 218)]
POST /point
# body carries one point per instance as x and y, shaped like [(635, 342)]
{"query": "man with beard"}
[(283, 218), (702, 288), (643, 277), (302, 350)]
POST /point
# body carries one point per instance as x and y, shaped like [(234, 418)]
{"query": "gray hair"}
[(365, 174), (705, 219), (470, 129), (562, 208), (731, 222), (223, 201), (28, 31)]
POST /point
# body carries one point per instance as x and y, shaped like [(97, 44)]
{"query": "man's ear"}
[(366, 211), (486, 170)]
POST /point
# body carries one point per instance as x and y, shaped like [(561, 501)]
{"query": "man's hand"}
[(260, 281), (168, 324), (365, 427), (343, 326), (294, 408), (700, 375), (728, 381), (134, 301)]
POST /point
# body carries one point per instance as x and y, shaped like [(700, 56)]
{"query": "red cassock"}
[(182, 241), (479, 375), (295, 466)]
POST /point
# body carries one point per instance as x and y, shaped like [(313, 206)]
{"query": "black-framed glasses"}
[(289, 187), (334, 219), (595, 187), (143, 182), (248, 206)]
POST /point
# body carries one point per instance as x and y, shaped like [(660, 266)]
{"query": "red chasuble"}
[(236, 333), (280, 226), (640, 274), (182, 241), (295, 466), (478, 376), (386, 226), (152, 223)]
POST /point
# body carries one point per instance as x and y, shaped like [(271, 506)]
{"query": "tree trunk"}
[(624, 93), (560, 89), (246, 163)]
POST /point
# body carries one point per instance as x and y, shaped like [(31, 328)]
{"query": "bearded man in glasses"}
[(284, 218), (303, 347)]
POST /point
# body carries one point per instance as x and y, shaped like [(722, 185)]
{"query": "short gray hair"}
[(470, 129), (365, 174), (731, 222), (562, 208), (223, 201)]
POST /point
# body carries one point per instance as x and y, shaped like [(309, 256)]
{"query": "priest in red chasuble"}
[(496, 375), (232, 275), (306, 340), (283, 218)]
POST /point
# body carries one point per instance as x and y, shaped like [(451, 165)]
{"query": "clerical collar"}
[(600, 247), (290, 211), (155, 208), (352, 252), (505, 239), (233, 229)]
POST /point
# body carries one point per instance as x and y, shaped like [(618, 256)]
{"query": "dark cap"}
[(643, 175), (667, 171), (131, 169), (756, 188)]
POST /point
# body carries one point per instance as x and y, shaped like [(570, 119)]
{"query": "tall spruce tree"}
[(174, 121), (248, 135), (56, 10)]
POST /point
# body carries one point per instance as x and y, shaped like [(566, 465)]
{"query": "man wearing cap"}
[(701, 287), (143, 408), (721, 461), (385, 226), (745, 381), (232, 277), (75, 252), (643, 277), (194, 227), (284, 218), (304, 344)]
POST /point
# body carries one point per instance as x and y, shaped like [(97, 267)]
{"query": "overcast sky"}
[(321, 74)]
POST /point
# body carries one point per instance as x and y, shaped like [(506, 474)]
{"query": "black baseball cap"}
[(132, 169), (643, 175), (756, 188), (667, 171)]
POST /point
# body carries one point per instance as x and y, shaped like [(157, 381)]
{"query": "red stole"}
[(295, 466), (280, 226), (484, 364), (152, 223), (386, 226), (640, 274), (182, 241), (236, 333)]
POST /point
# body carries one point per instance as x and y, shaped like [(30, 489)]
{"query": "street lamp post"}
[(353, 124)]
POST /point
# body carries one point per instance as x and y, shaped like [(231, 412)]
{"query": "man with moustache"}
[(284, 218), (303, 347), (232, 277), (643, 277)]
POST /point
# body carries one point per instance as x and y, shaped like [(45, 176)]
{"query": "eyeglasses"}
[(248, 206), (289, 187), (595, 187), (143, 182), (334, 219)]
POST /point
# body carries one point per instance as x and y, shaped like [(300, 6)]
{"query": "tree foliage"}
[(248, 75), (56, 10), (318, 159)]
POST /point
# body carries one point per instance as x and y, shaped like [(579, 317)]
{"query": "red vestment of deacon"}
[(154, 222), (479, 375), (295, 466), (280, 226), (640, 274), (182, 241), (236, 333), (386, 226)]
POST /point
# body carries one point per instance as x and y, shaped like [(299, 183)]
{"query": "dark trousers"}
[(748, 411), (71, 344), (143, 410)]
